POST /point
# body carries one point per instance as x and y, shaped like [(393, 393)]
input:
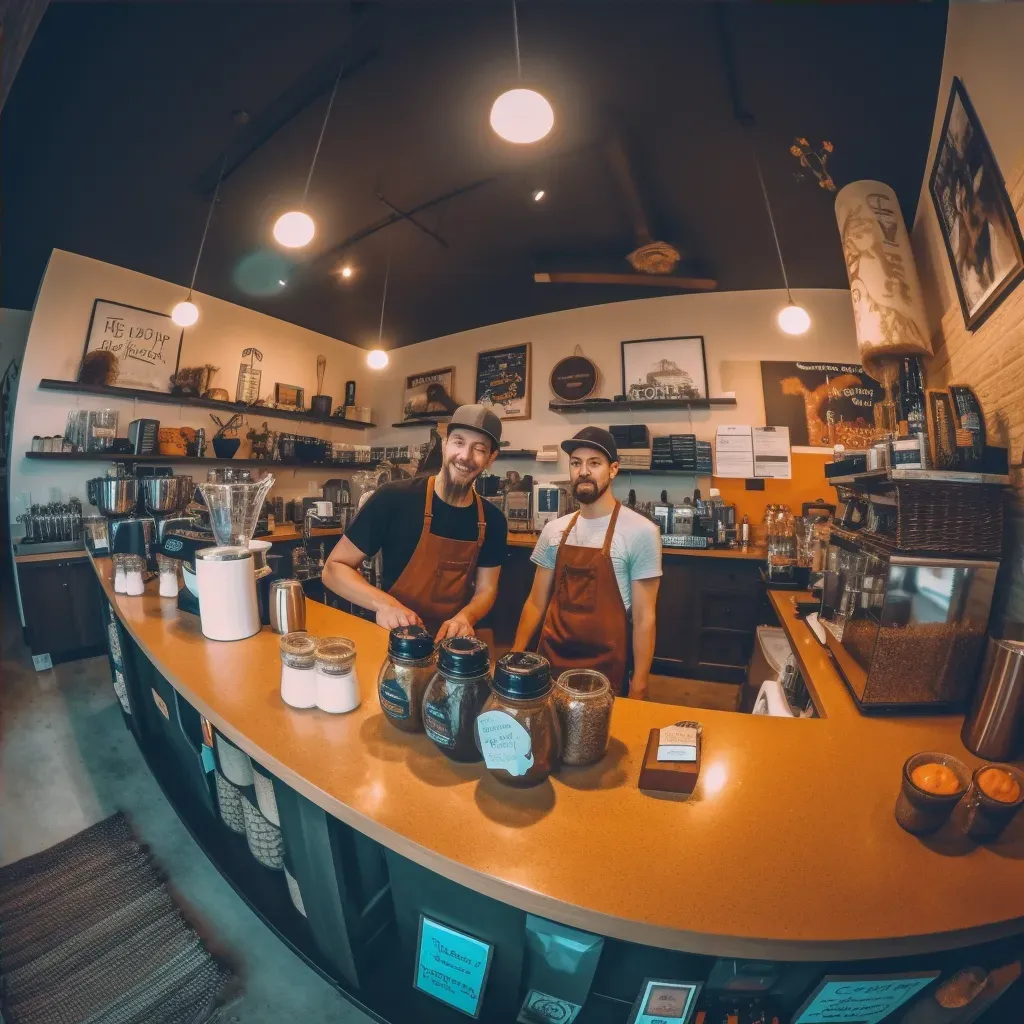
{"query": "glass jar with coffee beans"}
[(583, 701), (405, 676), (455, 695)]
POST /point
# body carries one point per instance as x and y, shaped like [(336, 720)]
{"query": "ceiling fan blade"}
[(693, 284)]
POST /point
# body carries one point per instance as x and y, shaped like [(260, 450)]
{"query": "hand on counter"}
[(638, 688), (457, 625), (390, 616)]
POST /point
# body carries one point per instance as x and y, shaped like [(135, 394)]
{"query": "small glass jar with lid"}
[(455, 695), (583, 701), (518, 731), (170, 572), (120, 574), (337, 685), (298, 670), (135, 578), (405, 676)]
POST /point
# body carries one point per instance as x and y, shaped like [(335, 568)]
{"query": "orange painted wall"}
[(808, 484)]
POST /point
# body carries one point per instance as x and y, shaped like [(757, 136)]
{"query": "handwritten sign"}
[(146, 345), (504, 743), (452, 966), (864, 999), (665, 1002)]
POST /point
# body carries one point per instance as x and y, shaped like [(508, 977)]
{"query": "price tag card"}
[(452, 966), (677, 743), (665, 1002), (860, 999)]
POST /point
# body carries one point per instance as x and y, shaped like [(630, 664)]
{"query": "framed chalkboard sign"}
[(503, 381), (141, 346), (574, 378)]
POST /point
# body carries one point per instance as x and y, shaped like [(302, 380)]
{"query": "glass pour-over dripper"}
[(234, 509)]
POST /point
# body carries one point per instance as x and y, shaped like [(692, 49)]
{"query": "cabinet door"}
[(49, 619), (675, 637), (83, 590)]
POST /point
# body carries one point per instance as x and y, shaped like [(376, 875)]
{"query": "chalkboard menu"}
[(574, 378), (503, 381)]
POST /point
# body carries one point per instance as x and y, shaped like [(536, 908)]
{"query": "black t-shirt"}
[(392, 519)]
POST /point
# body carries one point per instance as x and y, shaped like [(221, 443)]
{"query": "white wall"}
[(14, 324), (56, 341), (739, 331)]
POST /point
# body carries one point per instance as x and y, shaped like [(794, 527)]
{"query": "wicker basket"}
[(265, 841)]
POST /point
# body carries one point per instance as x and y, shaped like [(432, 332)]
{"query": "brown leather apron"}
[(586, 625), (441, 575)]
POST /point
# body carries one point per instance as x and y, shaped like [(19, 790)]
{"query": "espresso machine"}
[(129, 532), (165, 498)]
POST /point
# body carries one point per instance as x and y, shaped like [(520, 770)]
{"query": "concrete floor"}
[(67, 761)]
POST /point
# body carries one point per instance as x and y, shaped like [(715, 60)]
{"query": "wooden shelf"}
[(164, 398), (425, 422), (148, 460), (661, 472), (601, 406)]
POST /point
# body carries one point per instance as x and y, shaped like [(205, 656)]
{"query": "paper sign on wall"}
[(452, 966), (665, 1002), (734, 452), (771, 453), (863, 999)]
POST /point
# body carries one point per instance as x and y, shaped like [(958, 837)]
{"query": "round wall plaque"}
[(574, 378)]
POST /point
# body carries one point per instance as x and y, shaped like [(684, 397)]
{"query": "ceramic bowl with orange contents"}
[(933, 784), (997, 793)]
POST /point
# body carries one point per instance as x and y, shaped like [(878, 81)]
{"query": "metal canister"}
[(992, 728), (287, 606)]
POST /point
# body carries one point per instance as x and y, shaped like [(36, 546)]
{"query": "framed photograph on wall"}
[(503, 381), (976, 218), (664, 369), (289, 396), (143, 345), (429, 394)]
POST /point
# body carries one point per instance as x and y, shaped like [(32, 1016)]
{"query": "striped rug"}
[(89, 933)]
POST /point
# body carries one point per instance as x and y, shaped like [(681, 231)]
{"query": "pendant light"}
[(296, 228), (186, 312), (792, 319), (521, 115), (377, 359)]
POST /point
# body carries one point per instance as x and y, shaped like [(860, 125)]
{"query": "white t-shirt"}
[(635, 551)]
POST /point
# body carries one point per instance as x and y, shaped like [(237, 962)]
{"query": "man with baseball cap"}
[(598, 571), (441, 546)]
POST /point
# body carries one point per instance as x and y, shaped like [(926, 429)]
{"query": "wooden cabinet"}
[(63, 614)]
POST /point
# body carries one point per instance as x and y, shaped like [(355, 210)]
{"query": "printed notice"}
[(504, 743), (677, 743), (664, 1002), (734, 452), (771, 453), (452, 966), (860, 1000)]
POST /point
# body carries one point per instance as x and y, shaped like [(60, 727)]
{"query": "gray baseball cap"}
[(477, 417)]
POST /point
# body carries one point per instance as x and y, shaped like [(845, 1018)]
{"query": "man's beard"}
[(587, 492), (455, 490)]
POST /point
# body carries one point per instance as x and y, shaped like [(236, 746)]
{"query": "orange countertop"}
[(754, 552), (787, 849)]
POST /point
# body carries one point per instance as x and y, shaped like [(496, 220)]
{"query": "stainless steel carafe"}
[(993, 727)]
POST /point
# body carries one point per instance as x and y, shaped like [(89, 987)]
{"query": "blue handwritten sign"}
[(452, 966), (665, 1002), (861, 999)]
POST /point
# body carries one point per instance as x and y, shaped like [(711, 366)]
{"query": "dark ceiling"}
[(121, 113)]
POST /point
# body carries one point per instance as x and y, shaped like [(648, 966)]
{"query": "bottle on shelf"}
[(912, 420)]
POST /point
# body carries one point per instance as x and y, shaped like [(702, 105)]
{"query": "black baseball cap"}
[(479, 418), (593, 437)]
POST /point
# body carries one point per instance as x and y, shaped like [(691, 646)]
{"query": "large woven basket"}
[(953, 519)]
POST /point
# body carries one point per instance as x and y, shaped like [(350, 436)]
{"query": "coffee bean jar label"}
[(436, 723), (394, 701), (504, 743)]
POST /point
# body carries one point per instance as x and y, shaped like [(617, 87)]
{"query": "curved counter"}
[(787, 850)]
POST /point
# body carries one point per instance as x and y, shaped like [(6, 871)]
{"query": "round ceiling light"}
[(185, 313), (538, 194), (346, 271), (377, 359), (794, 319), (294, 229), (521, 116)]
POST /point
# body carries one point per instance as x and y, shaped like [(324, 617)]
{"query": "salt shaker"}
[(298, 670), (120, 576), (337, 686), (133, 575)]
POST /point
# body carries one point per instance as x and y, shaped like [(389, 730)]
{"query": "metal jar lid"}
[(298, 650), (223, 554), (521, 675), (410, 643), (463, 656), (335, 655)]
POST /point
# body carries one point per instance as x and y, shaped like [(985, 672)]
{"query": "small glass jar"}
[(170, 571), (933, 784), (455, 695), (405, 676), (517, 731), (134, 566), (337, 685), (997, 793), (120, 575), (298, 670), (37, 443), (583, 701)]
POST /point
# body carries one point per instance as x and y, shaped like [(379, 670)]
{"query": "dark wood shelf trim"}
[(601, 406), (205, 461)]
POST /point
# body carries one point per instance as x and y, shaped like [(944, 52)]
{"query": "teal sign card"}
[(862, 999), (452, 966), (665, 1002)]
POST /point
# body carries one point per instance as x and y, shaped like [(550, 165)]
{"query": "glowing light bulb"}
[(346, 271), (377, 359), (294, 229), (522, 115), (185, 313), (538, 194), (794, 319)]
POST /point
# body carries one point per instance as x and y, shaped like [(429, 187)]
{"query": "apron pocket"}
[(450, 582), (578, 589)]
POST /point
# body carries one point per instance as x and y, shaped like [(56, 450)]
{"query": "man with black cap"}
[(598, 572), (443, 573)]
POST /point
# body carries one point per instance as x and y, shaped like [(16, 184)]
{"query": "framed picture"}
[(451, 966), (144, 344), (664, 369), (288, 396), (503, 381), (662, 1001), (430, 394), (976, 218)]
